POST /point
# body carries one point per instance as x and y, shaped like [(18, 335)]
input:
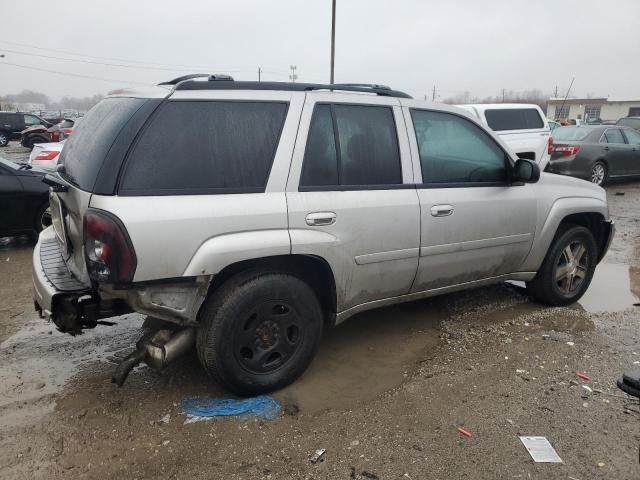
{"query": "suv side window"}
[(31, 120), (613, 135), (454, 150), (201, 147), (351, 145)]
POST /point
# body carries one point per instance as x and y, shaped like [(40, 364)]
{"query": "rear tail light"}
[(65, 133), (566, 150), (550, 145), (107, 248), (47, 155)]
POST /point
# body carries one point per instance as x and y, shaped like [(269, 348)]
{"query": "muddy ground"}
[(384, 396)]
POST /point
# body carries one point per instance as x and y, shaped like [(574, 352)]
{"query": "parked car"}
[(24, 199), (524, 128), (41, 134), (63, 129), (300, 206), (633, 122), (46, 155), (12, 124), (596, 153)]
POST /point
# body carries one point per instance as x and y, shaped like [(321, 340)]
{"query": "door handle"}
[(441, 210), (319, 219)]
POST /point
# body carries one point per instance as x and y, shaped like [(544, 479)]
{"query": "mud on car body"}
[(249, 217)]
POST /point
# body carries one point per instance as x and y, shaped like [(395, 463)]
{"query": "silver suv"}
[(247, 217)]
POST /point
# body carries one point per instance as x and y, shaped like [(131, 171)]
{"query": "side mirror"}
[(526, 171)]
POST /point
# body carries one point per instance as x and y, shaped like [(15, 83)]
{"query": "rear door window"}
[(31, 120), (200, 147), (513, 119), (633, 137), (352, 146), (613, 135)]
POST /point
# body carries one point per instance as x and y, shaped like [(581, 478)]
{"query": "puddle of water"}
[(611, 289), (365, 356), (35, 364)]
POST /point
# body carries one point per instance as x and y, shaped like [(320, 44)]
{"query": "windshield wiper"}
[(25, 166)]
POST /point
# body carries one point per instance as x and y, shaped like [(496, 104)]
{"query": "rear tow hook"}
[(157, 349)]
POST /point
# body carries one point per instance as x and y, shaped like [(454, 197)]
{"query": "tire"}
[(30, 142), (4, 139), (599, 173), (259, 331), (561, 281)]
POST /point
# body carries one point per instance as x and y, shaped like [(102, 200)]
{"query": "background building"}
[(592, 108)]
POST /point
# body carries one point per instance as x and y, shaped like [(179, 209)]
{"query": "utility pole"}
[(565, 97), (333, 39), (433, 95), (293, 75), (259, 72), (503, 95), (555, 92)]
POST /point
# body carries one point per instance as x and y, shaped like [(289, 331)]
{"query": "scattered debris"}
[(587, 388), (464, 432), (619, 194), (40, 385), (166, 419), (545, 336), (573, 383), (540, 450), (355, 443), (165, 443), (369, 475), (520, 370), (571, 344), (509, 421), (600, 464), (317, 455), (261, 406), (583, 376)]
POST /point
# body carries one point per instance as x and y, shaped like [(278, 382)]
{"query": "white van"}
[(523, 127)]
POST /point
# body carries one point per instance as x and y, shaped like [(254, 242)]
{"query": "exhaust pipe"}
[(157, 349)]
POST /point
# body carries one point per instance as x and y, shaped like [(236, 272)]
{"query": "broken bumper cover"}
[(51, 277)]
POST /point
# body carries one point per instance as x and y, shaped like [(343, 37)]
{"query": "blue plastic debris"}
[(262, 406)]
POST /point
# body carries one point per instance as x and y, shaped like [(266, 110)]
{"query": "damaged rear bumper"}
[(59, 296)]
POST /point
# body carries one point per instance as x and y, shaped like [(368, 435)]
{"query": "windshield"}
[(570, 133), (92, 138)]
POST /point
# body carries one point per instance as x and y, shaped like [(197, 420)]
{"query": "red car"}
[(42, 134)]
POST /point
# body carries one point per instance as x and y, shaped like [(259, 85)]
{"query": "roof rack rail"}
[(188, 82), (193, 76)]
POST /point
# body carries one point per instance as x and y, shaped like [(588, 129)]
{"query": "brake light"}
[(566, 150), (107, 248), (47, 155), (550, 145)]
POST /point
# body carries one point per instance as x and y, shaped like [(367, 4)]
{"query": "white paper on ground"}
[(540, 450)]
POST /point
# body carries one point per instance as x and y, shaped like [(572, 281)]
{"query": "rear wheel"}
[(599, 173), (4, 139), (259, 331), (568, 267), (30, 142)]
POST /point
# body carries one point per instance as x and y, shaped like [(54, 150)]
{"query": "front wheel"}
[(599, 173), (4, 139), (568, 267), (259, 331)]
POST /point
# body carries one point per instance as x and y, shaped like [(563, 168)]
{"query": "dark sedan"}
[(595, 152), (24, 199)]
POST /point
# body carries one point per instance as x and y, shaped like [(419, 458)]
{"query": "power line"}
[(70, 74)]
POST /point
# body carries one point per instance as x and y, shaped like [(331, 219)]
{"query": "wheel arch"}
[(314, 270)]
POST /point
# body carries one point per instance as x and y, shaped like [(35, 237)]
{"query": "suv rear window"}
[(513, 119), (85, 151), (200, 147), (629, 122)]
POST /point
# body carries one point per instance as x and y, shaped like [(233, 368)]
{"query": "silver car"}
[(249, 217)]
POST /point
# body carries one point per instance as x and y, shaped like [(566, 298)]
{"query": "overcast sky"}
[(480, 46)]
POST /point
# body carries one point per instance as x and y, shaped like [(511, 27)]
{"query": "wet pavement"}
[(384, 395)]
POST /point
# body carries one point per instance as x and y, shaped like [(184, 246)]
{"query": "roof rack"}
[(225, 82)]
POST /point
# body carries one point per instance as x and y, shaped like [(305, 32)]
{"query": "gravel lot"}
[(384, 396)]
